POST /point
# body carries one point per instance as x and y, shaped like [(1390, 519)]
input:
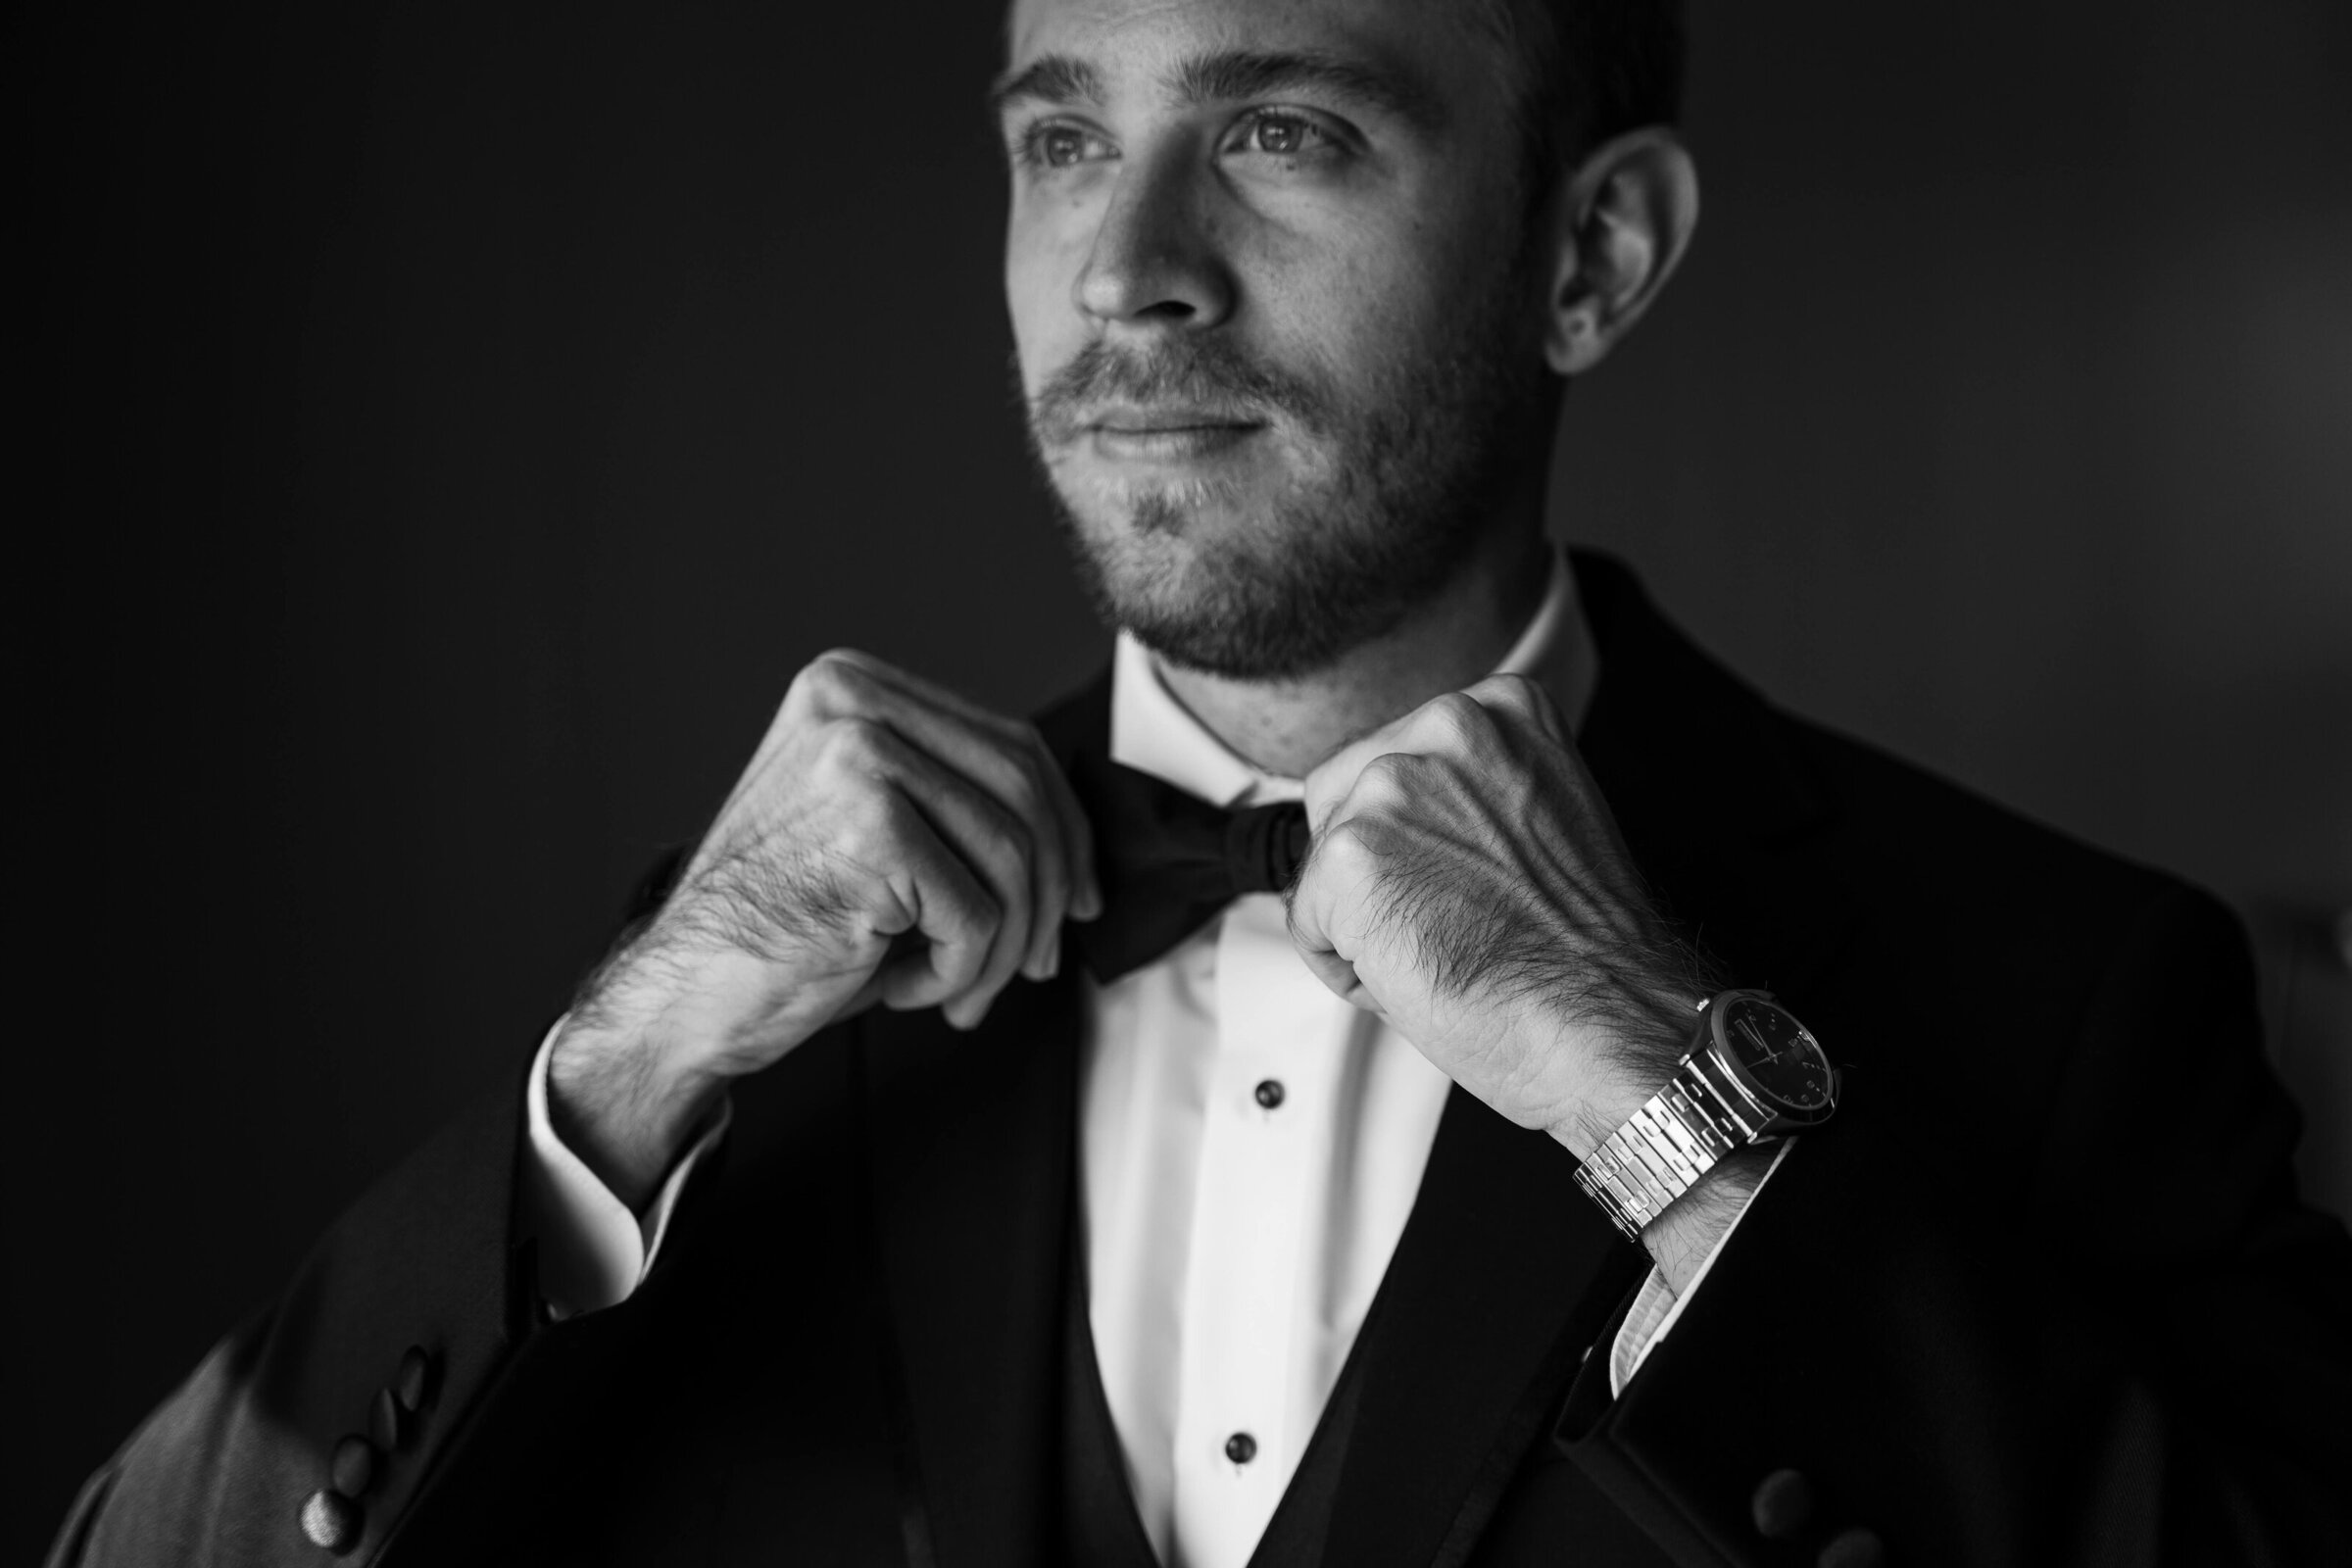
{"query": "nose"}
[(1155, 260)]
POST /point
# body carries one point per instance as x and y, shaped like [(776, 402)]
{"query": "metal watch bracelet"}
[(1664, 1147)]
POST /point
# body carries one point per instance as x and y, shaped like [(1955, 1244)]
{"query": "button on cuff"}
[(413, 1384), (387, 1424), (353, 1468), (1782, 1503), (330, 1521), (1854, 1548)]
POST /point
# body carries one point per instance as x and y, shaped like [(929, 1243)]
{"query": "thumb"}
[(1340, 977), (1310, 909)]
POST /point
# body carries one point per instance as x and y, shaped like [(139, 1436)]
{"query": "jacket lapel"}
[(1506, 1275), (1719, 807), (972, 1142), (1503, 1274)]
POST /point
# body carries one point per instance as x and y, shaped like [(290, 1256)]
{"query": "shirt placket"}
[(1264, 1142)]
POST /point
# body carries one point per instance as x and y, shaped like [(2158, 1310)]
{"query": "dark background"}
[(447, 427)]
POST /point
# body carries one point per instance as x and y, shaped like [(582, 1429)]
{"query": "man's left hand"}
[(1468, 884)]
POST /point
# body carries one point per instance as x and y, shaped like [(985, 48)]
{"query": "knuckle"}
[(1525, 697), (1027, 789), (1386, 779), (1457, 716), (828, 681), (1009, 849), (1348, 847), (1510, 686)]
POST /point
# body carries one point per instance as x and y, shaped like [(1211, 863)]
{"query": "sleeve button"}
[(1782, 1503), (1855, 1548), (413, 1384), (385, 1422), (354, 1465), (330, 1521)]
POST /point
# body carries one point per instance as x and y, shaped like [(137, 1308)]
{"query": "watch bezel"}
[(1783, 1117)]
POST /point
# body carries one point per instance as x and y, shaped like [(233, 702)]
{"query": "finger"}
[(1003, 756), (1023, 781), (1320, 909), (944, 905), (1078, 839), (1340, 977), (997, 847), (1431, 728), (1330, 780), (1085, 895), (928, 692), (1523, 698)]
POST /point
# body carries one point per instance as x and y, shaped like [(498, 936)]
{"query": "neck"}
[(1451, 640)]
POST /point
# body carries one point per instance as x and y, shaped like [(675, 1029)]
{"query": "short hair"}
[(1585, 71)]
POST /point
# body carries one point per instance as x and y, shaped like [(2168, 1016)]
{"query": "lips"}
[(1169, 422), (1165, 436)]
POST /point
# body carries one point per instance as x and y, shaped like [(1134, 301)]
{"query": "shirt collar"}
[(1151, 732)]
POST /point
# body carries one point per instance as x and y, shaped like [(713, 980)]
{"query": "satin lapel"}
[(972, 1140), (1503, 1275), (1719, 809)]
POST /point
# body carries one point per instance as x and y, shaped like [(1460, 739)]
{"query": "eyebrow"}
[(1049, 79), (1232, 74), (1245, 74)]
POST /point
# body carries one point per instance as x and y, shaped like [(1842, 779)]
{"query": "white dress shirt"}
[(1250, 1146)]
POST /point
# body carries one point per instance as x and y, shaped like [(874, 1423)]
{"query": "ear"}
[(1620, 222)]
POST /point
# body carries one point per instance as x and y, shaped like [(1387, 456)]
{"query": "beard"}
[(1395, 483)]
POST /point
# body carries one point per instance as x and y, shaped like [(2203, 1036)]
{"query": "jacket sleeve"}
[(2130, 1350), (324, 1418), (320, 1420)]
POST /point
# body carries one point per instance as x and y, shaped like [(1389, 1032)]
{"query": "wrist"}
[(624, 1106), (1753, 1076), (1632, 1051), (1624, 1069)]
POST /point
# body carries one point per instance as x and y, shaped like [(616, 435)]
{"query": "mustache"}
[(1189, 373)]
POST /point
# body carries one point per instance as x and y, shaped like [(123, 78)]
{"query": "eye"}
[(1280, 134), (1275, 133), (1057, 144)]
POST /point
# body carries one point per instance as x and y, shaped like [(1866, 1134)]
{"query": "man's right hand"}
[(890, 843)]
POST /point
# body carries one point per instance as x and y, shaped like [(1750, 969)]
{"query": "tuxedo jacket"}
[(2042, 1292)]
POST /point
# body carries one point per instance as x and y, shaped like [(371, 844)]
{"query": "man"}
[(988, 1149)]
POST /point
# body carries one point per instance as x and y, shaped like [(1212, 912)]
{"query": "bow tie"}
[(1170, 863)]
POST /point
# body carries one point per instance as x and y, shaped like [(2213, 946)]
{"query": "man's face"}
[(1277, 332)]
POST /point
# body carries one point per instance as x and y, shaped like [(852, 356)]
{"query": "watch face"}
[(1779, 1053)]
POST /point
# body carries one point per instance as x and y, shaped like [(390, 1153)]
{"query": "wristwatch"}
[(1753, 1074)]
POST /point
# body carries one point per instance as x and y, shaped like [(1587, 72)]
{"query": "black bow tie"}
[(1169, 863)]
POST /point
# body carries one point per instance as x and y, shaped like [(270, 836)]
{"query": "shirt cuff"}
[(1656, 1308), (593, 1253)]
